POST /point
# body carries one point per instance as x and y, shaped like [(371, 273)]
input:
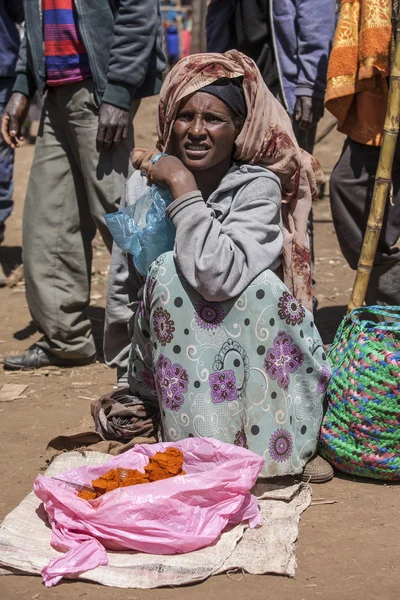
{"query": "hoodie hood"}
[(234, 180)]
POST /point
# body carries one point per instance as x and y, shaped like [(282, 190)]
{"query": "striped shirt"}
[(65, 54)]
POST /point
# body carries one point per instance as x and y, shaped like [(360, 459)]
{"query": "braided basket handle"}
[(392, 312), (344, 330), (354, 324)]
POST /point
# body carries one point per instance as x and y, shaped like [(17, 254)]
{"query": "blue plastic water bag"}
[(144, 229)]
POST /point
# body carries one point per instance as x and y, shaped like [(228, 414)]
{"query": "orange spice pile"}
[(162, 465)]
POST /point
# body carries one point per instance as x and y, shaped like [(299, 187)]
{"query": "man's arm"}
[(135, 32), (220, 25), (123, 288), (24, 84), (15, 9), (316, 28), (133, 49), (17, 107)]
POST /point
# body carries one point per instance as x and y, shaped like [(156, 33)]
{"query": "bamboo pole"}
[(382, 183), (199, 26), (179, 26)]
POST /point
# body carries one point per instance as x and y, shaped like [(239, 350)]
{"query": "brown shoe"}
[(317, 470)]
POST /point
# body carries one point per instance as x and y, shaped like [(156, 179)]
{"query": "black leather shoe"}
[(3, 278), (35, 358)]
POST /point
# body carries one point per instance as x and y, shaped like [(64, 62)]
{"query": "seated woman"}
[(219, 341)]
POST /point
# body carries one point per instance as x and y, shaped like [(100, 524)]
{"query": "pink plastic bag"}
[(170, 516)]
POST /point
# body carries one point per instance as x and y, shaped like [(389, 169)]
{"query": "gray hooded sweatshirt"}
[(221, 246)]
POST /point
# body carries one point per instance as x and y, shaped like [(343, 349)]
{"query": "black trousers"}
[(306, 140), (351, 188)]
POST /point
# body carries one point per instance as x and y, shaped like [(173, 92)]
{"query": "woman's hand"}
[(170, 172), (13, 119)]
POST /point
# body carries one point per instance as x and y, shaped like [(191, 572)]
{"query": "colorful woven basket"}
[(360, 432)]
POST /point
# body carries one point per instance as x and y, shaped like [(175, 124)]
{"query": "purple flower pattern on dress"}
[(281, 445), (323, 380), (241, 439), (147, 378), (209, 315), (290, 309), (283, 358), (223, 386), (172, 383), (163, 326)]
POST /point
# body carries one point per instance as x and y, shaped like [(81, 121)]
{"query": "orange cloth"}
[(161, 466), (357, 90)]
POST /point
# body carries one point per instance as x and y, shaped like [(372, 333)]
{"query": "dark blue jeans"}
[(6, 161)]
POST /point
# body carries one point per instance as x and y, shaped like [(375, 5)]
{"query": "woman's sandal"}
[(317, 470)]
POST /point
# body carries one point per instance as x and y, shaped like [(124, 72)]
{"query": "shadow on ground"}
[(328, 320), (368, 480), (26, 332), (10, 258)]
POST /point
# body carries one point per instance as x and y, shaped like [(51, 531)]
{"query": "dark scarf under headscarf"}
[(230, 91)]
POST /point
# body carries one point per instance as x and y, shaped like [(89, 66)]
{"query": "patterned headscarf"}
[(266, 139)]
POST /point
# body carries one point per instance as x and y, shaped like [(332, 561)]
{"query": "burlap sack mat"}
[(25, 541)]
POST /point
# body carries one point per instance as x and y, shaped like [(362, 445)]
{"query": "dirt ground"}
[(346, 550)]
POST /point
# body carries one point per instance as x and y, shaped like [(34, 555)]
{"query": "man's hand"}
[(308, 111), (13, 118), (113, 126)]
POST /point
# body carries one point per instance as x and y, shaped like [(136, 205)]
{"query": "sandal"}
[(317, 470)]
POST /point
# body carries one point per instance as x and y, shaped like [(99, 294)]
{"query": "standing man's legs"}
[(351, 188), (71, 187), (306, 140), (6, 162), (105, 173), (305, 137), (6, 168)]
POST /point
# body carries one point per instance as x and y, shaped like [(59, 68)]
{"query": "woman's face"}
[(204, 132)]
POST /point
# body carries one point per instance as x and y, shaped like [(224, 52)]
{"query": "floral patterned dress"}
[(249, 371)]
